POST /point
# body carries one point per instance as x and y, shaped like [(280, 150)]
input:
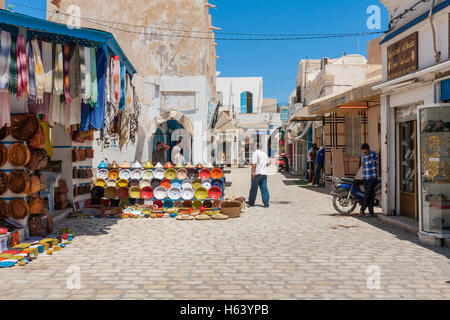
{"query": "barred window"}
[(353, 134)]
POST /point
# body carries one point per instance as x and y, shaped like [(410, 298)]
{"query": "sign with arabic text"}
[(403, 56)]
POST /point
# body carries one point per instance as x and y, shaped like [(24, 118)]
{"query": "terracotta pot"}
[(24, 126), (19, 182), (18, 209), (19, 155)]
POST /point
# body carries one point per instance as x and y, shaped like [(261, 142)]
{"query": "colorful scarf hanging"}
[(47, 61), (116, 78), (5, 52), (124, 122), (94, 90), (39, 71), (58, 79), (122, 88), (87, 57), (22, 71), (129, 94), (31, 73), (82, 71), (134, 119), (74, 71), (67, 73), (98, 113), (13, 66), (109, 107)]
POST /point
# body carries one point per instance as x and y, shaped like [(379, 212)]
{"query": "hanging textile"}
[(124, 122), (48, 146), (116, 78), (5, 52), (81, 52), (122, 88), (109, 105), (31, 73), (97, 118), (75, 111), (41, 107), (66, 72), (85, 116), (39, 71), (47, 61), (87, 76), (94, 92), (13, 66), (74, 72), (5, 110), (58, 79), (22, 71), (134, 119)]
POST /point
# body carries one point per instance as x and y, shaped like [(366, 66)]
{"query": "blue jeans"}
[(261, 182)]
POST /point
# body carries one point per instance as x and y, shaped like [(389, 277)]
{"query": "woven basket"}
[(4, 212), (3, 155), (3, 182), (36, 205), (38, 160), (231, 209), (38, 141), (19, 182), (4, 132), (19, 155), (24, 126), (18, 208), (35, 184)]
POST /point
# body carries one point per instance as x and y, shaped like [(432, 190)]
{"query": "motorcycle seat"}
[(347, 180)]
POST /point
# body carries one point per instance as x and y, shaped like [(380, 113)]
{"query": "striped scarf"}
[(31, 73), (116, 78), (13, 67), (94, 89), (47, 60), (74, 72), (22, 72), (122, 88), (58, 79), (109, 111), (39, 71), (66, 73), (5, 52)]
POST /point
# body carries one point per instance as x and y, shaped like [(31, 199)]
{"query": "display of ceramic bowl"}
[(122, 183), (102, 174), (179, 166), (148, 165), (215, 193), (197, 204), (178, 204), (206, 184), (182, 174), (169, 165), (156, 183), (165, 183), (125, 165), (199, 166), (159, 166), (204, 174), (114, 165), (216, 173), (125, 174), (197, 184), (135, 192), (147, 174), (176, 184), (170, 174), (174, 193), (186, 184), (113, 174), (145, 183), (100, 183), (168, 204), (136, 165), (158, 204), (134, 183), (207, 204), (201, 193), (147, 193), (192, 174), (103, 165), (111, 192), (160, 193), (158, 174), (187, 204), (136, 174), (97, 193), (217, 204), (217, 183)]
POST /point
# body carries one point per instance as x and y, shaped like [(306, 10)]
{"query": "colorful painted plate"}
[(187, 193), (201, 193), (215, 193), (135, 192), (102, 174), (158, 174), (186, 184), (158, 204), (206, 184), (197, 204), (122, 183), (113, 174), (147, 193), (122, 193), (111, 183), (176, 184), (136, 174), (160, 193), (170, 174), (197, 184), (145, 183), (100, 183), (125, 174), (156, 183), (204, 174), (182, 174), (216, 173), (174, 193), (147, 174)]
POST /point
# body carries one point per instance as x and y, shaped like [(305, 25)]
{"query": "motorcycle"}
[(283, 163), (347, 194)]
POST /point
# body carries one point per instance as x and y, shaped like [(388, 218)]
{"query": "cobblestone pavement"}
[(298, 249)]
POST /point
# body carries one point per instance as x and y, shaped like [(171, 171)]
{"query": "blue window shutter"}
[(249, 102), (445, 90), (244, 102)]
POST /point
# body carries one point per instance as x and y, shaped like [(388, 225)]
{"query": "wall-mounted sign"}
[(284, 115), (403, 56)]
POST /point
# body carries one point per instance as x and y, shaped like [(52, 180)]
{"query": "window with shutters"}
[(298, 98), (353, 134), (246, 102)]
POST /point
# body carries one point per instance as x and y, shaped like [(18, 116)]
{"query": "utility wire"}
[(275, 37)]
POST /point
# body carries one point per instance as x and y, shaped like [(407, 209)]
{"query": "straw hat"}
[(202, 217), (185, 217)]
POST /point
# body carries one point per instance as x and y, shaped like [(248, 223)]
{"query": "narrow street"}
[(300, 248)]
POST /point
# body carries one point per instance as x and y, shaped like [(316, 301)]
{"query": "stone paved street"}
[(298, 249)]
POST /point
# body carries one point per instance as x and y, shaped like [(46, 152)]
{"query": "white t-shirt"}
[(260, 159)]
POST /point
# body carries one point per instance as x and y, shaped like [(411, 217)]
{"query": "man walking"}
[(260, 162), (312, 153), (369, 162)]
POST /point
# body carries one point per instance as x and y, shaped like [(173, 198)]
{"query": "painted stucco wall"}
[(232, 87)]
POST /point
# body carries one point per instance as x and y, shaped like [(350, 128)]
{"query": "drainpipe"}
[(437, 56)]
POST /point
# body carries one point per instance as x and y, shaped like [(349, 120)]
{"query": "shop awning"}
[(224, 122), (58, 32), (360, 95)]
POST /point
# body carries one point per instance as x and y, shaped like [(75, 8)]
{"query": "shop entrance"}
[(407, 146)]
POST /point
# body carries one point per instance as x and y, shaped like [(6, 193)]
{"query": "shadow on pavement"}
[(88, 227)]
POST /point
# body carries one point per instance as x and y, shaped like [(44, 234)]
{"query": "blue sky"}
[(277, 61), (26, 7)]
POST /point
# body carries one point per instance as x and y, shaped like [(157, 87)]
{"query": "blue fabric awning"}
[(445, 90), (61, 33)]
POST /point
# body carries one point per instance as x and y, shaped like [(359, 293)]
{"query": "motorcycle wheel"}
[(342, 204)]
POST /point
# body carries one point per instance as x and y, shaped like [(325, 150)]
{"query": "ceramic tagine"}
[(103, 165), (125, 165), (136, 165), (159, 166), (199, 166), (168, 165), (148, 165), (114, 165)]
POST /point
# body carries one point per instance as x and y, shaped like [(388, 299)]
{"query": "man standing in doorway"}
[(160, 152), (320, 160), (260, 162), (369, 161), (312, 153)]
